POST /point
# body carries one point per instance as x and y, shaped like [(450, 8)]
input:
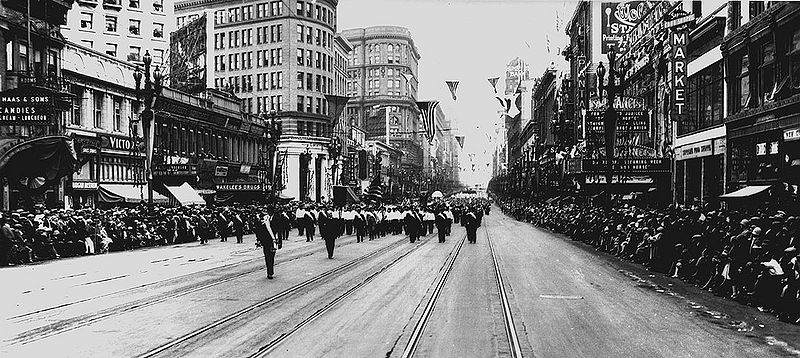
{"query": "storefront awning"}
[(50, 157), (127, 193), (745, 192), (185, 195)]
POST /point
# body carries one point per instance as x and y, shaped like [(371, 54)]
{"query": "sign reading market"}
[(22, 109), (678, 38)]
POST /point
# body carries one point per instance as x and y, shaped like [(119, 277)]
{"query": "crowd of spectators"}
[(751, 257), (26, 237)]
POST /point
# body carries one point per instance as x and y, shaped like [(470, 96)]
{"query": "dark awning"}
[(51, 158), (745, 192)]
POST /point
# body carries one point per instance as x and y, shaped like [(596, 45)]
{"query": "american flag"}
[(375, 190), (428, 112)]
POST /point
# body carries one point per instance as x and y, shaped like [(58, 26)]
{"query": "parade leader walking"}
[(266, 239)]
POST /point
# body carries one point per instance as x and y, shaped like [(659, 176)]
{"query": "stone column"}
[(292, 168)]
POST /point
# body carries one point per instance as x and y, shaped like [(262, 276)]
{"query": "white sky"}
[(469, 41)]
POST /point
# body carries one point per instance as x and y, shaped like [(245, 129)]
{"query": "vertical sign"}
[(677, 41), (617, 19)]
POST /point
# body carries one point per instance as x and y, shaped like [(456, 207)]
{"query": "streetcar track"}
[(69, 324), (447, 267), (205, 272), (272, 299), (511, 330), (269, 347)]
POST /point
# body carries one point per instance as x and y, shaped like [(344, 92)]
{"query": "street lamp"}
[(148, 94), (610, 115)]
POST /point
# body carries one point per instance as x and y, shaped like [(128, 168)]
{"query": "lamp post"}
[(610, 115), (273, 135), (148, 94)]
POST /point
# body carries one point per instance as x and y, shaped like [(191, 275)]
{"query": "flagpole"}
[(387, 125)]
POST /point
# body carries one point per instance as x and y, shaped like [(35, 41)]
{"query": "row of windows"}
[(321, 13), (311, 104), (244, 60), (315, 59), (117, 169), (244, 37), (192, 140), (704, 100), (112, 26), (310, 128), (245, 13), (244, 83), (313, 36), (100, 106), (375, 53), (181, 20), (136, 5), (305, 81), (265, 104)]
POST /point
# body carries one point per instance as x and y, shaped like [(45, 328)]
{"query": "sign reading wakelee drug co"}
[(18, 109)]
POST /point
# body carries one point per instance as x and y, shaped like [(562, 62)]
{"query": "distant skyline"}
[(469, 41)]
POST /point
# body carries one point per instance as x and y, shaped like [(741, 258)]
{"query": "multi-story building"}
[(383, 86), (204, 140), (342, 130), (761, 56), (278, 57), (33, 98), (123, 29)]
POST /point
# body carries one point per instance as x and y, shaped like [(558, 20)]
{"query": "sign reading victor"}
[(18, 109), (619, 18), (677, 41)]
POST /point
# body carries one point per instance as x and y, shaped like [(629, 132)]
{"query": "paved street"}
[(386, 297)]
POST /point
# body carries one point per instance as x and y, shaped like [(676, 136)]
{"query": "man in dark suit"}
[(328, 229), (472, 222), (266, 239), (412, 225), (360, 224), (442, 223)]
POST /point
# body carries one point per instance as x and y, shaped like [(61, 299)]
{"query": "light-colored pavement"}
[(566, 300)]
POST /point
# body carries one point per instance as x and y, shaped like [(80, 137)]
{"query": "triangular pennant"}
[(337, 105), (493, 82), (460, 140), (452, 85), (514, 105), (408, 78)]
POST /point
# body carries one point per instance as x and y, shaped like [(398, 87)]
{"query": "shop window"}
[(766, 73)]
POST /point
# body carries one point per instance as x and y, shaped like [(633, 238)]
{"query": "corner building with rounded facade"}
[(278, 57), (383, 60)]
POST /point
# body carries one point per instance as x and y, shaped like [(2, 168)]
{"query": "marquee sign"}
[(174, 170), (618, 18), (18, 109), (678, 38)]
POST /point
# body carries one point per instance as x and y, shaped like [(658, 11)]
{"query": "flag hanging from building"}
[(515, 103), (428, 112), (452, 85), (493, 82), (460, 140), (375, 189), (336, 105)]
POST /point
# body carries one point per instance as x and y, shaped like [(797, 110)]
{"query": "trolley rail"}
[(273, 299), (413, 342), (265, 350), (69, 324), (511, 330)]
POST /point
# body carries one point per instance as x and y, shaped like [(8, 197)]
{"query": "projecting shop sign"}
[(25, 109), (677, 41)]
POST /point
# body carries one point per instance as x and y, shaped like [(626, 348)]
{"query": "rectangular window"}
[(135, 53), (111, 23), (261, 10), (319, 13), (111, 49), (279, 36), (299, 57), (309, 81), (117, 113), (86, 20), (309, 35), (77, 99), (158, 30), (222, 41), (98, 109), (300, 106), (309, 10), (135, 27), (309, 104), (309, 58), (277, 9), (318, 108), (300, 31), (299, 8), (272, 57), (158, 5), (133, 4), (280, 79), (766, 75), (318, 37)]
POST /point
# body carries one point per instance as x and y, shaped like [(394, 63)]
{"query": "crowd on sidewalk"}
[(29, 236), (748, 256)]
